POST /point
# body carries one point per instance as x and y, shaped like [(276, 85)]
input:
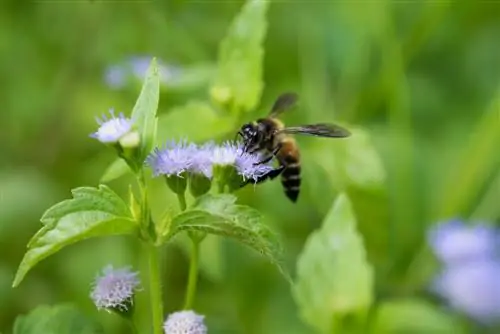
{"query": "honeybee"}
[(270, 136)]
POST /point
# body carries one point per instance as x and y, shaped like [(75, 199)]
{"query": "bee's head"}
[(250, 135)]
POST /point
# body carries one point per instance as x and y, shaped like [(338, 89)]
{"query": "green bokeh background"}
[(422, 79)]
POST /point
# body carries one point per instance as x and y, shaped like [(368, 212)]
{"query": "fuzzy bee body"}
[(269, 135)]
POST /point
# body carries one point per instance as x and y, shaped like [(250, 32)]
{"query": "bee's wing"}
[(284, 102), (320, 130)]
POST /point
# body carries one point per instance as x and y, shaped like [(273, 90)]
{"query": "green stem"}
[(182, 201), (155, 288), (221, 187), (193, 273), (153, 261)]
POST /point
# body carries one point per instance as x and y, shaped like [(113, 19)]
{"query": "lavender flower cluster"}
[(114, 290), (470, 279), (177, 158)]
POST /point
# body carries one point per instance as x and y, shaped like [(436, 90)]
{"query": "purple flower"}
[(247, 165), (116, 75), (173, 159), (115, 288), (185, 322), (455, 241), (176, 158), (472, 288), (111, 130)]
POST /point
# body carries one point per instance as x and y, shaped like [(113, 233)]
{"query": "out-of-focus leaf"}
[(58, 319), (239, 72), (413, 316), (196, 120), (219, 215), (352, 161), (189, 78), (115, 170), (334, 279), (144, 112), (92, 212)]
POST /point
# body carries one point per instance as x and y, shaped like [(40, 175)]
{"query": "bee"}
[(270, 136)]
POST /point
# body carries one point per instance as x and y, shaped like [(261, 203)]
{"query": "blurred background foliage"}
[(418, 82)]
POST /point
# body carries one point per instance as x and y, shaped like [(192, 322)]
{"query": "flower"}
[(473, 288), (454, 241), (135, 67), (111, 130), (173, 159), (185, 322), (176, 158), (115, 288), (247, 165)]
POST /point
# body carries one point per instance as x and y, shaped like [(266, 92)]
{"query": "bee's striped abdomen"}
[(290, 178)]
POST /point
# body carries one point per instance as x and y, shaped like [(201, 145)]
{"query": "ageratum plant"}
[(203, 176)]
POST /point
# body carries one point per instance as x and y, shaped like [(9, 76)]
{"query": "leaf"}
[(219, 215), (115, 170), (241, 54), (146, 106), (59, 319), (414, 316), (334, 279), (196, 120), (92, 212)]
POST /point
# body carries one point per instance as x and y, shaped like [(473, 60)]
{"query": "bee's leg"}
[(273, 154), (269, 175)]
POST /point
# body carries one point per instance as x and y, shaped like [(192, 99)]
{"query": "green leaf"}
[(144, 112), (196, 120), (219, 215), (92, 212), (115, 170), (239, 72), (59, 319), (414, 316), (334, 279)]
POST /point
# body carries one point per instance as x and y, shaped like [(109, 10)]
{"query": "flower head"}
[(249, 166), (115, 288), (173, 159), (111, 130), (473, 288), (185, 322), (202, 160), (454, 241)]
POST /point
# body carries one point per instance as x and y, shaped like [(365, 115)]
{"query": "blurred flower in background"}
[(469, 280), (134, 68)]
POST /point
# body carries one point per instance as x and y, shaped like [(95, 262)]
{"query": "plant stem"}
[(182, 201), (193, 273), (133, 329), (155, 288), (153, 262)]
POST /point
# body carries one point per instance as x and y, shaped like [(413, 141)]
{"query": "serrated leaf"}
[(59, 319), (115, 170), (92, 212), (241, 53), (334, 279), (219, 215), (195, 120), (146, 106), (414, 316)]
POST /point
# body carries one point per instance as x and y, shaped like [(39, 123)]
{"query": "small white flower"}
[(115, 288), (185, 322), (111, 130)]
